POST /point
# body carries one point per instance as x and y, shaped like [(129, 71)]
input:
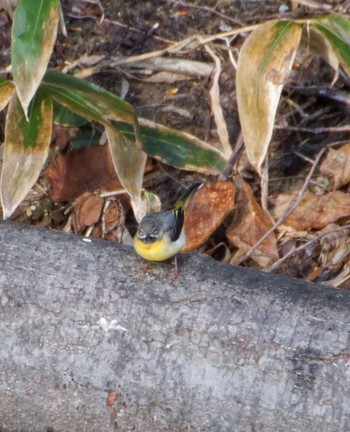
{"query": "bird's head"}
[(149, 230)]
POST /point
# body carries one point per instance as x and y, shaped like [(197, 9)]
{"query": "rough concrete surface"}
[(92, 339)]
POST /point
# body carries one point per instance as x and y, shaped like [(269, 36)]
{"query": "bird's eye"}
[(154, 232), (141, 232)]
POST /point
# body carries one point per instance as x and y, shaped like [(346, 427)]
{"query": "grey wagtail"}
[(161, 235)]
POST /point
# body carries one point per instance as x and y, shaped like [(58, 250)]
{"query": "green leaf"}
[(177, 149), (336, 30), (65, 117), (174, 148), (34, 33), (95, 103), (264, 63), (110, 105), (7, 89), (74, 102), (25, 149)]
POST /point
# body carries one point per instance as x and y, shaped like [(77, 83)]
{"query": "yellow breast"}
[(160, 250)]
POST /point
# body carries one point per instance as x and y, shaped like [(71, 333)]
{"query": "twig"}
[(290, 210), (193, 42), (227, 169), (313, 5), (234, 32), (340, 129), (265, 185), (232, 59), (107, 203)]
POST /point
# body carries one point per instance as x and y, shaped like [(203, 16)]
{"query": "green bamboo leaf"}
[(95, 103), (73, 102), (34, 33), (65, 117), (177, 149), (111, 106), (7, 89), (25, 149), (264, 64), (336, 30)]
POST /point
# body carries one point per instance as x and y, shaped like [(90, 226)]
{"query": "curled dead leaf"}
[(105, 217), (87, 211), (113, 216), (335, 247), (249, 225), (112, 223), (206, 211)]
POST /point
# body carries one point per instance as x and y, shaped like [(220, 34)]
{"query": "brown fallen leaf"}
[(314, 273), (113, 216), (79, 171), (112, 223), (249, 225), (87, 211), (314, 211), (206, 211), (62, 135), (336, 166), (105, 217)]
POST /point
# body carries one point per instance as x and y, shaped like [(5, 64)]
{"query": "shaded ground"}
[(128, 28)]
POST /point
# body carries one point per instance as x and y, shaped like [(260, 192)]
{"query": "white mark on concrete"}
[(112, 325)]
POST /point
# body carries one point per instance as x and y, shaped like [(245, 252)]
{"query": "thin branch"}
[(313, 5), (192, 42), (227, 169), (340, 129)]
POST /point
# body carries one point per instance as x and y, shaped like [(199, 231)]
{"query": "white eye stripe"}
[(143, 235)]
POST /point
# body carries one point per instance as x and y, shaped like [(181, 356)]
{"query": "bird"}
[(161, 235)]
